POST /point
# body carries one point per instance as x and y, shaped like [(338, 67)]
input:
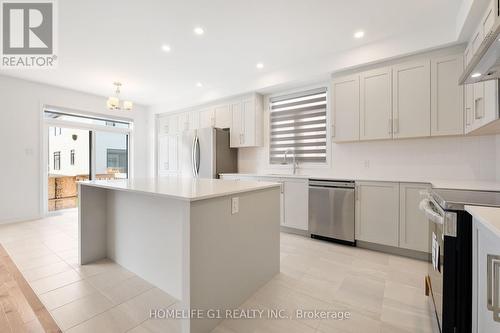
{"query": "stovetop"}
[(457, 199)]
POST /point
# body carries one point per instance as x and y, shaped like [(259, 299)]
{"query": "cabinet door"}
[(236, 133), (412, 100), (377, 212), (173, 141), (488, 19), (486, 250), (173, 124), (376, 104), (222, 116), (163, 125), (207, 118), (194, 120), (163, 166), (447, 111), (345, 106), (296, 197), (249, 122), (183, 122), (413, 225)]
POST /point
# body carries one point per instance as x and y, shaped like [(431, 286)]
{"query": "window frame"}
[(58, 155), (267, 109)]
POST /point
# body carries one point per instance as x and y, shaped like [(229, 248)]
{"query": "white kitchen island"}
[(184, 236)]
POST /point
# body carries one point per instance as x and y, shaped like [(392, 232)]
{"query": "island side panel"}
[(232, 255), (91, 223), (145, 234)]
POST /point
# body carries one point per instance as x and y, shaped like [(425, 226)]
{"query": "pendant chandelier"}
[(113, 102)]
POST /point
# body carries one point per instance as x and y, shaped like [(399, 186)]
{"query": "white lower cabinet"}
[(413, 225), (296, 198), (388, 214), (485, 282), (377, 212)]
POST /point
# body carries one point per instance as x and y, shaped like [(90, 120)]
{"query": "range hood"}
[(485, 64)]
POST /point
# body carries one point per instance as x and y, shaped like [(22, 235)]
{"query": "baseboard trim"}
[(394, 250), (294, 231)]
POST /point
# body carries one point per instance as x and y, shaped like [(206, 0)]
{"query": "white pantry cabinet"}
[(412, 99), (486, 252), (377, 212), (246, 122), (345, 107), (413, 225), (167, 155), (376, 104), (447, 110)]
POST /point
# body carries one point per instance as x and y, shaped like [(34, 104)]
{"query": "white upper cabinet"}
[(411, 99), (447, 111), (237, 126), (222, 116), (345, 107), (183, 122), (163, 125), (376, 104), (173, 124), (194, 120), (488, 19), (207, 118), (246, 122)]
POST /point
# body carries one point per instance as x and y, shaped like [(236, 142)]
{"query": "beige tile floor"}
[(382, 293)]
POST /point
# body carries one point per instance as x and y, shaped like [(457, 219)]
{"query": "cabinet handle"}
[(467, 116), (396, 125), (333, 131), (493, 283), (476, 108), (389, 126)]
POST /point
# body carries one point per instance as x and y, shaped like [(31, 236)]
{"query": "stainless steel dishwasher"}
[(331, 210)]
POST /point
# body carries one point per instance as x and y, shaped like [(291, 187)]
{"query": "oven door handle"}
[(426, 206)]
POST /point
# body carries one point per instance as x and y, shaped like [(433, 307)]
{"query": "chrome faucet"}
[(295, 164)]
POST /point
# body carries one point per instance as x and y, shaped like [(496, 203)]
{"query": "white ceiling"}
[(297, 40)]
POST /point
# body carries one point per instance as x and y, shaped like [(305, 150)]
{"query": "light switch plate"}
[(235, 205)]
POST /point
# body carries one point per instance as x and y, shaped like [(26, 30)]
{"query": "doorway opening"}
[(81, 148)]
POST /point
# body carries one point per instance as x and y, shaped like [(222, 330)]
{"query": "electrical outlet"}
[(235, 205)]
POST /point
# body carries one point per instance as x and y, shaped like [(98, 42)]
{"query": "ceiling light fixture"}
[(259, 65), (476, 75), (199, 31), (359, 34), (166, 48), (199, 84), (113, 102)]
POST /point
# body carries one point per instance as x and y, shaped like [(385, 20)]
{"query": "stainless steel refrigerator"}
[(206, 153)]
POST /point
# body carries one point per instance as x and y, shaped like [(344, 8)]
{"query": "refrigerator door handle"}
[(193, 157), (197, 156)]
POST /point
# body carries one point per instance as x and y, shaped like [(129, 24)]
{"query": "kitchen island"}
[(209, 243)]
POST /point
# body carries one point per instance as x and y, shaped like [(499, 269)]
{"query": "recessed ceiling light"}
[(199, 31), (199, 84), (476, 75), (166, 48), (259, 65), (359, 34)]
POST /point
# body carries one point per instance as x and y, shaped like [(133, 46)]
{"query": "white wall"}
[(20, 140)]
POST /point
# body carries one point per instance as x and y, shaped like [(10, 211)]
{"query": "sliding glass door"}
[(111, 155)]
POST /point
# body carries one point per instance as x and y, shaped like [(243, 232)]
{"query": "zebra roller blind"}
[(298, 127)]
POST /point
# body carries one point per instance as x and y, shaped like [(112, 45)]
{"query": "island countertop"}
[(182, 188)]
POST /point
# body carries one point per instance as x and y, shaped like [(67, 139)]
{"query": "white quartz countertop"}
[(488, 216), (474, 185), (182, 188)]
